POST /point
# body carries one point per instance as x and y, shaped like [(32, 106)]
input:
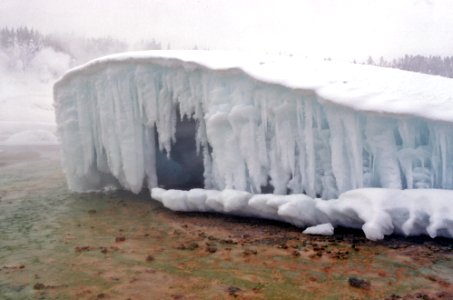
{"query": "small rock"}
[(228, 242), (149, 258), (79, 249), (248, 252), (191, 246), (92, 211), (359, 283), (422, 296), (233, 291), (211, 249), (120, 239), (295, 253), (39, 286)]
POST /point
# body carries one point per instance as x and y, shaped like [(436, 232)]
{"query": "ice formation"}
[(377, 211), (257, 124)]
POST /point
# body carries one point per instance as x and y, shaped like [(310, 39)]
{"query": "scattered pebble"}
[(79, 249), (359, 283), (248, 252), (228, 242), (39, 286), (191, 246), (211, 238), (120, 239), (233, 291), (211, 249)]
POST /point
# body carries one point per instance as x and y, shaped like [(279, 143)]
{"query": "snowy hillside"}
[(259, 124), (26, 111)]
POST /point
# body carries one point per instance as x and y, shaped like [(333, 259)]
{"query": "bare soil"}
[(59, 245)]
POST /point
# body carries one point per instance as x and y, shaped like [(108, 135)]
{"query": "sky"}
[(345, 29)]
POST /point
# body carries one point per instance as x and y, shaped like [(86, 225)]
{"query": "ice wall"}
[(116, 117)]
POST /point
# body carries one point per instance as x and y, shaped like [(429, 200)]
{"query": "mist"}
[(343, 30)]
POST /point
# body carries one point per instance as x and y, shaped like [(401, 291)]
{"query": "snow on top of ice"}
[(361, 87)]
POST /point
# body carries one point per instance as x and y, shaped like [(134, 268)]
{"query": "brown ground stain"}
[(98, 246)]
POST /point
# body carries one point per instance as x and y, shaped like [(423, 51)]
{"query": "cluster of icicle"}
[(250, 133)]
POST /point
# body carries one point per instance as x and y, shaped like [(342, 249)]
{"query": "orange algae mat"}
[(60, 245)]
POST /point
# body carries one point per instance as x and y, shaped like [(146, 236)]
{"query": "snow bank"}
[(31, 137), (377, 211), (26, 96), (321, 229), (25, 105), (25, 116)]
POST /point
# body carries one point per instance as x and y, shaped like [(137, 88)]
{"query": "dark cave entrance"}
[(184, 168)]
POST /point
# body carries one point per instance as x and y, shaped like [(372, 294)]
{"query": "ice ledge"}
[(378, 212)]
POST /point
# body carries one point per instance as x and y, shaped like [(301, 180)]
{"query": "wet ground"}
[(58, 245)]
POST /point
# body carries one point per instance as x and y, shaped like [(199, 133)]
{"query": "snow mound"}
[(25, 105), (321, 229), (31, 137), (378, 212)]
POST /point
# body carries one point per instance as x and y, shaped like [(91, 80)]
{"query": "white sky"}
[(337, 28)]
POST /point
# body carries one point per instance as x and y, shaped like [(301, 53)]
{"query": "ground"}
[(55, 244)]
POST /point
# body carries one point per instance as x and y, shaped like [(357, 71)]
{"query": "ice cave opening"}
[(183, 167)]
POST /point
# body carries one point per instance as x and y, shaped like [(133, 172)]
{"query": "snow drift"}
[(377, 211), (257, 124)]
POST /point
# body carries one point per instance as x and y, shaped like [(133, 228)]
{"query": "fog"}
[(339, 29)]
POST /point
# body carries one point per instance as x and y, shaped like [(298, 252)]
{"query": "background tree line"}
[(24, 48), (434, 65)]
